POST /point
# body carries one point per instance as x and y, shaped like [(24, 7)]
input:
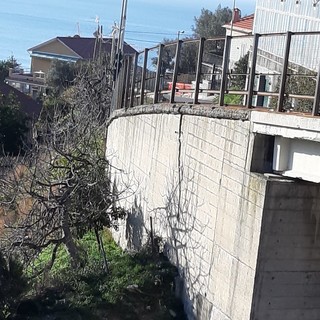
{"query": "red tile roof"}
[(245, 23)]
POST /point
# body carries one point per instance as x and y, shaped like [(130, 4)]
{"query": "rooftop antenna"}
[(78, 29), (97, 35)]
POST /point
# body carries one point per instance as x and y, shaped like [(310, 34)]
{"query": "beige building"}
[(69, 49)]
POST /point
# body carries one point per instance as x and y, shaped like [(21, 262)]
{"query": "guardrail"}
[(278, 71)]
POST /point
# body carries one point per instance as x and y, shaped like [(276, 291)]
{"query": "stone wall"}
[(186, 169)]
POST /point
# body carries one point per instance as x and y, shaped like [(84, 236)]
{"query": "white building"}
[(241, 29), (273, 16)]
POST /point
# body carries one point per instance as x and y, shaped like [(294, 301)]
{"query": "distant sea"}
[(27, 23)]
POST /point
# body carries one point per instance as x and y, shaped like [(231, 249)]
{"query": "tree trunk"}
[(102, 250), (70, 243)]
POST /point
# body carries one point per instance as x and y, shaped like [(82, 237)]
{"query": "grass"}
[(136, 286)]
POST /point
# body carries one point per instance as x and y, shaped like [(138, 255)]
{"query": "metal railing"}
[(278, 73)]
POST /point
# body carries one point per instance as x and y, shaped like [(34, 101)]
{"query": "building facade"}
[(273, 16), (68, 49)]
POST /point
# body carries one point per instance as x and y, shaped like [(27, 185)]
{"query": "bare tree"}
[(61, 188)]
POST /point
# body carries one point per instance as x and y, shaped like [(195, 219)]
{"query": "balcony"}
[(27, 82)]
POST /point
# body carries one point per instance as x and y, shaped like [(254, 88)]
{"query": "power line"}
[(142, 40), (149, 32)]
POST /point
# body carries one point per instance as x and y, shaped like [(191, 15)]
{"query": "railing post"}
[(213, 80), (124, 83), (127, 85), (175, 71), (198, 72), (282, 88), (316, 102), (225, 65), (134, 75), (143, 77), (252, 74), (158, 74)]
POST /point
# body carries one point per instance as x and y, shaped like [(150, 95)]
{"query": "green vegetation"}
[(136, 286), (241, 70), (5, 65), (300, 81), (233, 99), (12, 285), (209, 24), (13, 125), (62, 197)]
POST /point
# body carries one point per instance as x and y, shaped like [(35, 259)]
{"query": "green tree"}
[(240, 69), (187, 60), (61, 75), (301, 81), (13, 125), (209, 24), (65, 174), (5, 65)]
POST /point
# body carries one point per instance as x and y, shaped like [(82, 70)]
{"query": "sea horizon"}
[(25, 23)]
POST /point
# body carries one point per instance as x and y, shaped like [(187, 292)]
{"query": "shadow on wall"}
[(135, 227), (183, 234), (185, 244)]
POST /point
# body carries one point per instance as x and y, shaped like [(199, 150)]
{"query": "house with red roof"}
[(241, 29)]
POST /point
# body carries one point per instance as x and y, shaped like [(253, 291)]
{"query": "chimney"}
[(236, 15)]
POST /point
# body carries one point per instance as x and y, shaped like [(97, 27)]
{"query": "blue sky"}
[(167, 16), (26, 23)]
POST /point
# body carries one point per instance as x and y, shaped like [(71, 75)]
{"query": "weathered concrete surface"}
[(288, 274), (188, 173), (188, 168), (297, 143)]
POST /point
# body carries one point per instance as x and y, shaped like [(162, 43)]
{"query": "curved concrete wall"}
[(245, 244), (186, 169)]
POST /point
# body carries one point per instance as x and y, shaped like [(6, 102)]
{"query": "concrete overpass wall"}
[(288, 273), (187, 170), (246, 244)]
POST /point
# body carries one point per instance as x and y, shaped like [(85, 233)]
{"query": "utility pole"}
[(180, 32), (122, 29), (115, 31)]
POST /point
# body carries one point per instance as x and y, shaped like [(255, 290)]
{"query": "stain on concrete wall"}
[(187, 171)]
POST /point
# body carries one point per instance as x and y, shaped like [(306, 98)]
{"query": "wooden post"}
[(175, 71), (282, 88), (158, 74), (198, 72), (252, 74), (225, 65), (143, 77)]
